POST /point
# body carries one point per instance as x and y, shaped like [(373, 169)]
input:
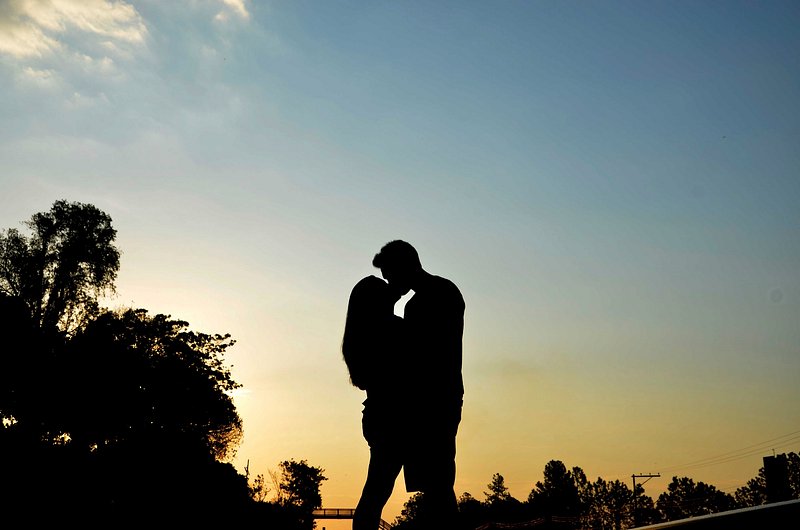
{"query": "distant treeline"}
[(567, 499)]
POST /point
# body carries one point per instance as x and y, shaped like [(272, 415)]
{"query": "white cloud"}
[(43, 78), (81, 101), (114, 19), (35, 28), (238, 7), (21, 39)]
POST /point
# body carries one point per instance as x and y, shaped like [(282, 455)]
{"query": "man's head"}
[(399, 264)]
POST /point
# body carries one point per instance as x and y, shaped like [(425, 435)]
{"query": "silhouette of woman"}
[(372, 349)]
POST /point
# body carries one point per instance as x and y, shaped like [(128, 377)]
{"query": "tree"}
[(471, 511), (685, 498), (163, 385), (133, 412), (21, 363), (794, 474), (557, 494), (498, 492), (500, 506), (410, 514), (754, 493), (611, 505), (63, 267), (299, 488), (259, 489), (136, 403)]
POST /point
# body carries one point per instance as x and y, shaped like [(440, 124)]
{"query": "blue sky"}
[(614, 187)]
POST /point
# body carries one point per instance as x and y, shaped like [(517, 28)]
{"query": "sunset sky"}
[(613, 185)]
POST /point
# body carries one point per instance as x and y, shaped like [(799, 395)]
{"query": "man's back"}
[(435, 320)]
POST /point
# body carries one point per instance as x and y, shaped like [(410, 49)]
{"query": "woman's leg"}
[(384, 467)]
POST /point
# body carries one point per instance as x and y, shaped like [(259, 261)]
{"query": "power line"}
[(737, 454)]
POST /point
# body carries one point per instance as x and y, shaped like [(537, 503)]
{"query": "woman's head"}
[(369, 295)]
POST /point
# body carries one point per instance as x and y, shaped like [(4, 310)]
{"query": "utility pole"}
[(646, 476)]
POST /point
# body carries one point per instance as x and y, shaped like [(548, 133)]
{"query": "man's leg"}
[(440, 508), (384, 467)]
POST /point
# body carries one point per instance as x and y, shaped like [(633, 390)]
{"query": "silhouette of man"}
[(434, 324)]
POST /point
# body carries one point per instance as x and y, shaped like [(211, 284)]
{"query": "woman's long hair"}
[(369, 313)]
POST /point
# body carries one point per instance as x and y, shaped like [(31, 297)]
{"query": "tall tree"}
[(161, 383), (471, 511), (754, 492), (611, 505), (498, 492), (794, 474), (500, 506), (410, 513), (557, 494), (686, 498), (63, 267), (299, 488), (128, 410)]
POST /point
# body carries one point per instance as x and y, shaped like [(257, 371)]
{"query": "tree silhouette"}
[(611, 505), (557, 494), (63, 267), (570, 500), (499, 505), (471, 512), (298, 489), (410, 513), (161, 382), (686, 498), (498, 492), (754, 493), (124, 412)]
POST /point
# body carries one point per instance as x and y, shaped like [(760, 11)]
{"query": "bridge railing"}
[(343, 513), (333, 513)]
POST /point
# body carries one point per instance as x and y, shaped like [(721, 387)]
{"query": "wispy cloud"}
[(38, 28), (43, 78), (126, 64), (238, 7)]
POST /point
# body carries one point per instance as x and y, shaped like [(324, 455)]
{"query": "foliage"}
[(127, 378), (106, 412), (299, 487), (259, 489), (754, 493), (63, 267), (499, 505), (600, 505), (558, 493), (610, 505), (472, 512), (410, 514), (794, 474), (498, 492), (167, 383), (686, 498)]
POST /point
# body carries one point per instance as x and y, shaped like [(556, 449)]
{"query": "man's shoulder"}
[(445, 287)]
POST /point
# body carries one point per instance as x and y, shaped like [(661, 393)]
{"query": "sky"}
[(613, 186)]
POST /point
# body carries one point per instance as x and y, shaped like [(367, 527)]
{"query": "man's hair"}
[(397, 253)]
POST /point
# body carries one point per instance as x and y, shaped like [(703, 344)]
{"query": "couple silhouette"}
[(410, 369)]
